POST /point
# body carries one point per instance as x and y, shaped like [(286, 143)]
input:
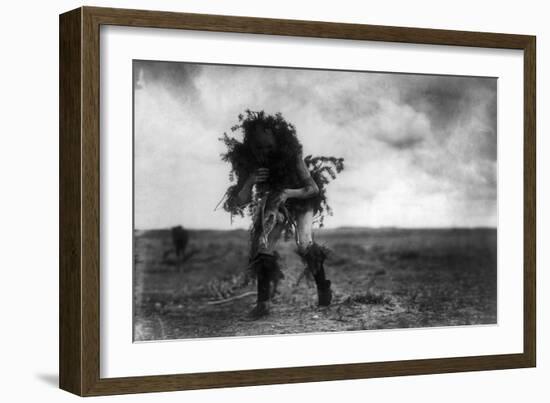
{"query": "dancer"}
[(284, 194)]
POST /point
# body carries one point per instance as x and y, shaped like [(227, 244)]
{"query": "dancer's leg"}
[(264, 264), (313, 255)]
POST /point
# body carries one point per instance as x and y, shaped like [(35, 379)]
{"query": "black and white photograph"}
[(277, 200)]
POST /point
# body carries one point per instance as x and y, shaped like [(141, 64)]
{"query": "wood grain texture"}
[(70, 274), (530, 202), (90, 201), (80, 196), (317, 29)]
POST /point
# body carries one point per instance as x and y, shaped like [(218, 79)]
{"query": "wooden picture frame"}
[(79, 279)]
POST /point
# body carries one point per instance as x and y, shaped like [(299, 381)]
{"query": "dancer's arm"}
[(244, 194), (309, 188)]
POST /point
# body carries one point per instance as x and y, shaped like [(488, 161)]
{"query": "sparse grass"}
[(368, 298), (381, 279)]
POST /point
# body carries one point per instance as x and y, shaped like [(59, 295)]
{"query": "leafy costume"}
[(263, 208)]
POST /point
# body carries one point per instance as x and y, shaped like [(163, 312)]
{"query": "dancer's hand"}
[(281, 197), (261, 175)]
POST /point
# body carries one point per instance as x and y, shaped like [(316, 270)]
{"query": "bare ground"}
[(382, 279)]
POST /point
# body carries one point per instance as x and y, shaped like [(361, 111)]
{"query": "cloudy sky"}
[(419, 150)]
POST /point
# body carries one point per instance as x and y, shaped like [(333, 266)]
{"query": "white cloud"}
[(419, 151)]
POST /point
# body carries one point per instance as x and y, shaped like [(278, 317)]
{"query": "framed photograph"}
[(248, 201)]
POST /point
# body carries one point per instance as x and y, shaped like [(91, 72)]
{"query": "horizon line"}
[(343, 227)]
